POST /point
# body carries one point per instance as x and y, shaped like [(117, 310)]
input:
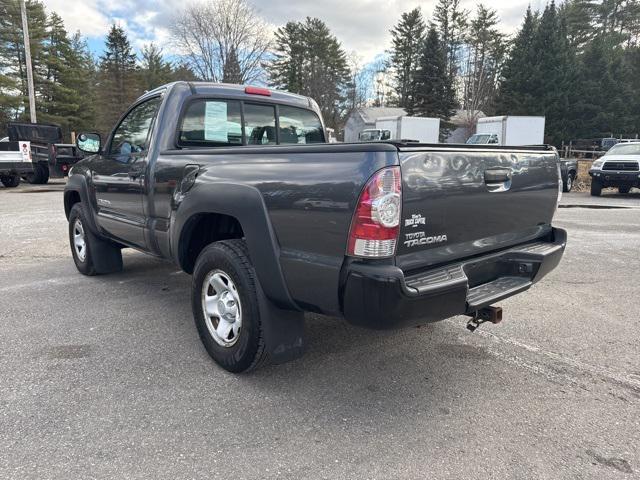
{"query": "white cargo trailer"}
[(418, 129), (509, 130)]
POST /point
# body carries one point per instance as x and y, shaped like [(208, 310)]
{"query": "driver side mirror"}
[(89, 142)]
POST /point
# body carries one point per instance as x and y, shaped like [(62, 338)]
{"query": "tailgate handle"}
[(494, 176)]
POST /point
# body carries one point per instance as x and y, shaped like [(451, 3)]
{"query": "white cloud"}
[(361, 25), (85, 15)]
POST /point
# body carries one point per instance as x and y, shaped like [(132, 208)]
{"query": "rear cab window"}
[(211, 122)]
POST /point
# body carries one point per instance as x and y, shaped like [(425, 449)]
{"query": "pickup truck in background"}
[(239, 188), (51, 157), (15, 161), (568, 172)]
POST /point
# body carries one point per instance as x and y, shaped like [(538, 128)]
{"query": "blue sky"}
[(361, 25)]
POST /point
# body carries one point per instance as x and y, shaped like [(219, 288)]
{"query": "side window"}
[(132, 135), (211, 123), (260, 124), (298, 125)]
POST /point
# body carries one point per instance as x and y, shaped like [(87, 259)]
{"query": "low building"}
[(363, 118)]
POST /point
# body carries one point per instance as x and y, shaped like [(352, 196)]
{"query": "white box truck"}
[(416, 129), (509, 130)]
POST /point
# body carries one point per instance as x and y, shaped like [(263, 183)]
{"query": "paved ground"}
[(106, 378)]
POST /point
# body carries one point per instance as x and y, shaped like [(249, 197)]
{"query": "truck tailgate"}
[(459, 202)]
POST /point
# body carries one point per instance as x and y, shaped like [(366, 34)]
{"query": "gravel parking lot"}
[(105, 377)]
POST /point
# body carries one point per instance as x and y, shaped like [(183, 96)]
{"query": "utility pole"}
[(27, 57)]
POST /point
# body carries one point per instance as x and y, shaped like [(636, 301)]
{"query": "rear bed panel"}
[(454, 209)]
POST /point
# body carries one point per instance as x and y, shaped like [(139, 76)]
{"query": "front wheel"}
[(91, 254), (225, 306), (624, 190), (596, 188), (568, 184), (10, 181)]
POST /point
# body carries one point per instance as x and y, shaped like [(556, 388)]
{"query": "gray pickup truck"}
[(239, 188)]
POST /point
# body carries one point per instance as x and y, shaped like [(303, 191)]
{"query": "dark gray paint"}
[(295, 203)]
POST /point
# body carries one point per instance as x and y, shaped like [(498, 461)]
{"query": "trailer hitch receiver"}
[(486, 314)]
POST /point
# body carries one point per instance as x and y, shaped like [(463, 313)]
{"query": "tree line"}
[(73, 88), (576, 63)]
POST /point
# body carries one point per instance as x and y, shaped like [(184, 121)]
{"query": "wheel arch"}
[(241, 211), (77, 191)]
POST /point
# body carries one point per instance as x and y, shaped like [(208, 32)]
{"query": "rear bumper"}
[(615, 178), (381, 297), (15, 168)]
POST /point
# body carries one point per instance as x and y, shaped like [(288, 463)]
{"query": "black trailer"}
[(51, 157)]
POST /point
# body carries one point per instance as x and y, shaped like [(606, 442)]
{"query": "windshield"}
[(369, 135), (625, 149), (478, 139)]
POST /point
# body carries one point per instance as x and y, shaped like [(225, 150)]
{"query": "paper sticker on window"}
[(215, 122)]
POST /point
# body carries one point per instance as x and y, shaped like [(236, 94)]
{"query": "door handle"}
[(493, 176)]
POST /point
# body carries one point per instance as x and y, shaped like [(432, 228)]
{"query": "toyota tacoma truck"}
[(239, 188)]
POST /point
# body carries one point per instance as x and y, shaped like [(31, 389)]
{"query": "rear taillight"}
[(376, 221)]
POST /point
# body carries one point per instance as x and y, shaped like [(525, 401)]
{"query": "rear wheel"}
[(10, 181), (225, 306), (91, 254), (40, 174), (624, 190), (596, 187)]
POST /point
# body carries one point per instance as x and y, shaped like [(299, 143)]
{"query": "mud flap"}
[(284, 330)]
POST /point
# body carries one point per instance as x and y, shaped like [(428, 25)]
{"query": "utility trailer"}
[(15, 161), (50, 157)]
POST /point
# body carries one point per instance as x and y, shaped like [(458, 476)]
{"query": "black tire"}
[(567, 185), (40, 174), (596, 188), (10, 181), (624, 190), (98, 256), (231, 258)]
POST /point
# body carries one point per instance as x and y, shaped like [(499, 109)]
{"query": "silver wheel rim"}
[(79, 242), (569, 182), (221, 307)]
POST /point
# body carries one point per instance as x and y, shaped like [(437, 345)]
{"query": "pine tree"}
[(117, 79), (57, 95), (154, 71), (450, 22), (287, 69), (554, 85), (407, 39), (13, 76), (433, 87), (605, 104), (310, 61), (515, 94), (231, 72), (579, 16), (81, 78)]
